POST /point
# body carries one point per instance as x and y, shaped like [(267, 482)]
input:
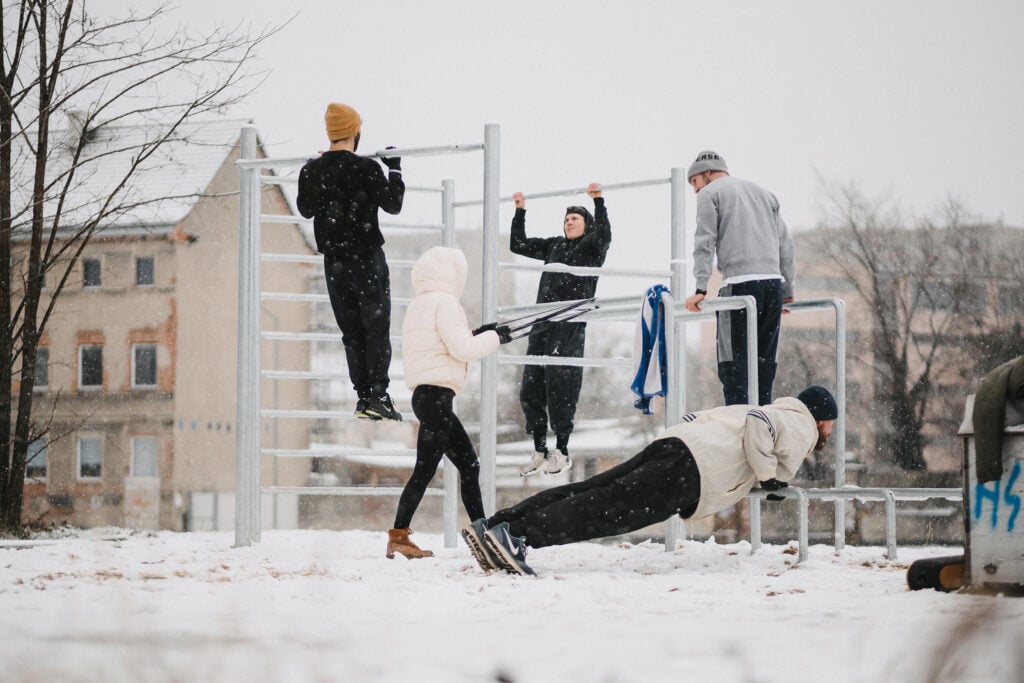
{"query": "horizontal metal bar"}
[(561, 360), (335, 452), (586, 270), (868, 494), (314, 298), (318, 260), (311, 336), (303, 374), (289, 219), (346, 490), (281, 180), (278, 162), (317, 414), (574, 191)]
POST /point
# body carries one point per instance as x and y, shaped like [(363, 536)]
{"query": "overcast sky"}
[(919, 99)]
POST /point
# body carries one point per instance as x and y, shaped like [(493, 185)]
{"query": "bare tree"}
[(61, 63), (932, 290)]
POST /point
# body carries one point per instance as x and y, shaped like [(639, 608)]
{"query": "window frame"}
[(86, 262), (152, 272), (134, 361), (29, 456), (82, 386), (42, 352), (135, 440), (82, 438)]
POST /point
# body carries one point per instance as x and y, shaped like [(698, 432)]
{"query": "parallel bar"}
[(346, 490), (318, 260), (282, 162), (280, 180), (313, 298), (568, 361), (574, 191), (584, 270), (317, 414), (335, 452)]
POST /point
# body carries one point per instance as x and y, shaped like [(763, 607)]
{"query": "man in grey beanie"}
[(738, 223)]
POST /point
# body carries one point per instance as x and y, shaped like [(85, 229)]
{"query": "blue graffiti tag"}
[(982, 494)]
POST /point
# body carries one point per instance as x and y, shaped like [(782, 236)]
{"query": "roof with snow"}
[(172, 168)]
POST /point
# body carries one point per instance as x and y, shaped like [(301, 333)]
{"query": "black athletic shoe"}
[(508, 550), (361, 413), (382, 408), (474, 537)]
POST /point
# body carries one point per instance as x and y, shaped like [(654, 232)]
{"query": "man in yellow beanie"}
[(342, 192)]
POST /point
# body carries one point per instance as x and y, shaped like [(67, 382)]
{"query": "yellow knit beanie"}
[(342, 121)]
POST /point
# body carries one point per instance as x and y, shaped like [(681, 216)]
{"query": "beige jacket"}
[(437, 343), (738, 446)]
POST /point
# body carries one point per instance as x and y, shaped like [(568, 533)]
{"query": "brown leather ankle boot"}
[(398, 541)]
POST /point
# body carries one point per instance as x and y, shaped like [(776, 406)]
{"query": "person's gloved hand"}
[(484, 328), (504, 334), (393, 163), (774, 484)]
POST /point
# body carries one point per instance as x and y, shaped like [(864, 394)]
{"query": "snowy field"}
[(327, 606)]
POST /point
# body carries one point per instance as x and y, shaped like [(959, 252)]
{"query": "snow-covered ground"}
[(328, 606)]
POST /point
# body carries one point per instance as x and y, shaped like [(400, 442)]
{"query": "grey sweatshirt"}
[(740, 222)]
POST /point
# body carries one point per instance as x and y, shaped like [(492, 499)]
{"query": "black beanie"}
[(588, 218), (820, 402)]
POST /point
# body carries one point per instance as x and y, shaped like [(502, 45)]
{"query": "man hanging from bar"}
[(342, 192), (551, 391)]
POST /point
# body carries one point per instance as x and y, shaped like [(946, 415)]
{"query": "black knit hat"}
[(588, 218), (820, 402)]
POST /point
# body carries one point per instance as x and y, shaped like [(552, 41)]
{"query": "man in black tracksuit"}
[(342, 192), (551, 391)]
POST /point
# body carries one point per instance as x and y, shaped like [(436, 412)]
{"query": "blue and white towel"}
[(650, 376)]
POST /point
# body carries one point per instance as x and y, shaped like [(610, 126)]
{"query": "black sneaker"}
[(508, 550), (382, 408), (474, 537), (361, 413)]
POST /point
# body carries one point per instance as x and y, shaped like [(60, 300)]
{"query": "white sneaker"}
[(536, 465), (558, 462)]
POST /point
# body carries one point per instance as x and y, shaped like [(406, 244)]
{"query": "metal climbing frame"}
[(249, 411)]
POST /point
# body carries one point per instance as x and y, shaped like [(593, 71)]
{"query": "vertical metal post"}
[(448, 212), (450, 506), (247, 388), (753, 388), (755, 524), (489, 311), (840, 426), (675, 338)]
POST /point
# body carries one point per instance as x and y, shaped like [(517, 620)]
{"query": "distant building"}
[(138, 363)]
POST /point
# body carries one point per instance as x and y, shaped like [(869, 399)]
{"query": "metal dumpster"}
[(993, 514)]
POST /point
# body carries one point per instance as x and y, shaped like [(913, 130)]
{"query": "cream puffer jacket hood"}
[(738, 446), (437, 343)]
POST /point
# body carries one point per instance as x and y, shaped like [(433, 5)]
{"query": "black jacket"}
[(588, 251), (341, 192)]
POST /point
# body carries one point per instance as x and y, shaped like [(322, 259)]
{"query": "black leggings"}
[(660, 481), (441, 433)]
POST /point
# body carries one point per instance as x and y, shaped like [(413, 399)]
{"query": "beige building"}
[(138, 362)]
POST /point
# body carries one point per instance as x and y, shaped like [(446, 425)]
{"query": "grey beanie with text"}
[(706, 161)]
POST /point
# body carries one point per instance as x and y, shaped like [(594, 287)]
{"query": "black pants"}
[(441, 433), (552, 390), (660, 481), (732, 341), (359, 287)]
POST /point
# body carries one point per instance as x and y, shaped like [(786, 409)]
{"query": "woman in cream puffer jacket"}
[(437, 346)]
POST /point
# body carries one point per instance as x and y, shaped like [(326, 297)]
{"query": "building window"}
[(42, 375), (91, 272), (144, 365), (144, 275), (144, 457), (90, 457), (35, 460), (90, 367)]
